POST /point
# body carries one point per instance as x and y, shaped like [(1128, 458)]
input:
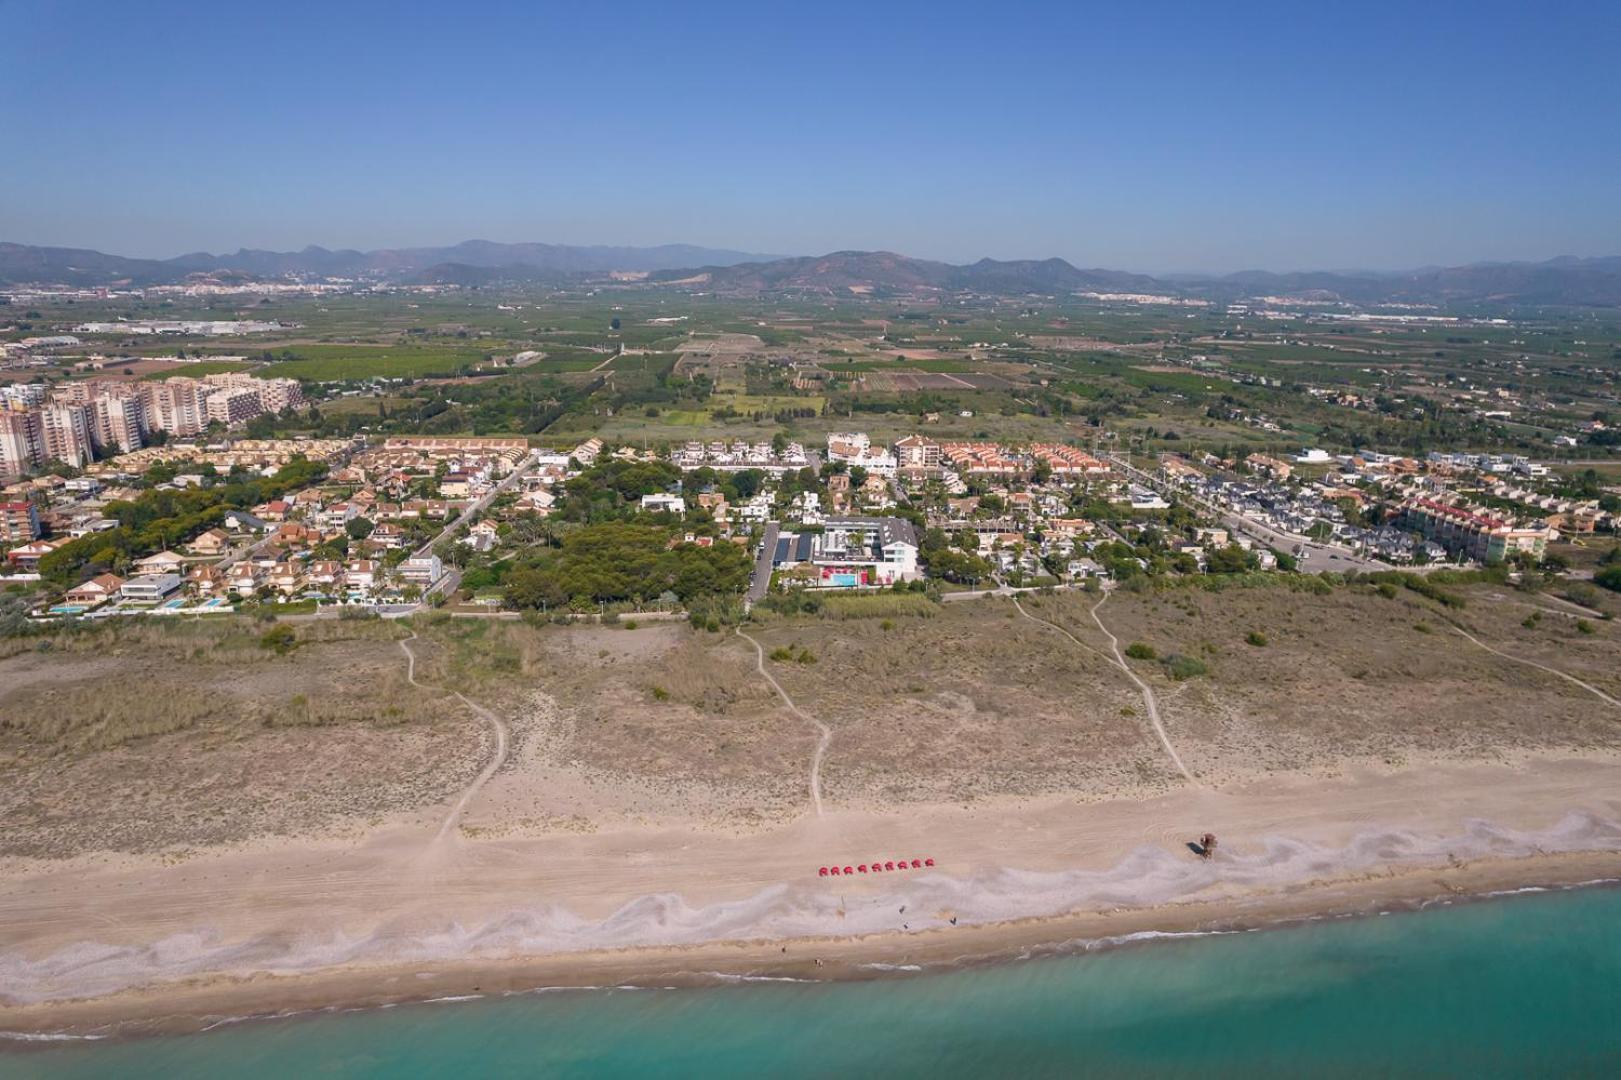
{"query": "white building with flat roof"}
[(150, 587)]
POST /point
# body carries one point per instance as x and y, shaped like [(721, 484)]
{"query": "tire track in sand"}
[(827, 733), (497, 759)]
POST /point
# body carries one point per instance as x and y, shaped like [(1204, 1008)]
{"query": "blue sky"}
[(1155, 137)]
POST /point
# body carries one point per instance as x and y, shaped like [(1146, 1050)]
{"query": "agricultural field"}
[(1166, 378), (346, 363)]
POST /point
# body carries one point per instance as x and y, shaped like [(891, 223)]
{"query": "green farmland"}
[(343, 363)]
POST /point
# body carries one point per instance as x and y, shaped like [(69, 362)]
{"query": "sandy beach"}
[(409, 911)]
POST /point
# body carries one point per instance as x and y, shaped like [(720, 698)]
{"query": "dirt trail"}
[(1148, 693), (502, 740), (827, 733), (1061, 630), (1591, 689)]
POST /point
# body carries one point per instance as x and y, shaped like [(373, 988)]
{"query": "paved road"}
[(452, 577), (475, 508), (761, 580), (1318, 556)]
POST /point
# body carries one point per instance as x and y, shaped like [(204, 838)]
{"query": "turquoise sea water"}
[(1528, 985)]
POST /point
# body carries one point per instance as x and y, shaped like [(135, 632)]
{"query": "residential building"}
[(65, 434), (97, 590), (274, 395), (324, 572), (118, 423), (243, 579), (150, 588), (164, 562), (212, 542), (916, 452), (1066, 462), (19, 522), (422, 571), (853, 551), (285, 578), (1478, 536), (204, 580), (1270, 466), (232, 406), (361, 575), (20, 446), (656, 503), (177, 406), (27, 556)]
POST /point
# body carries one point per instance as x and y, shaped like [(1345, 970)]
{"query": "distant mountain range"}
[(1564, 281), (480, 260), (848, 273)]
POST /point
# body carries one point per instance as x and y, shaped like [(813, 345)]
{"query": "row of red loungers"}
[(874, 868)]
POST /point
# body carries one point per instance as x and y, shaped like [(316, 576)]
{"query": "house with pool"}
[(850, 553)]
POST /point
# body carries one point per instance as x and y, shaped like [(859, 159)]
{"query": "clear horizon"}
[(1191, 141)]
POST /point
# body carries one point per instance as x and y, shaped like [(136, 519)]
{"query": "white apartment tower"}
[(119, 423), (65, 434), (178, 406), (19, 442), (233, 405)]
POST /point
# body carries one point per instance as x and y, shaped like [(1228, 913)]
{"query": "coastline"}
[(199, 1004)]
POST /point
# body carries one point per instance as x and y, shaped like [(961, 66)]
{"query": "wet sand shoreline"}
[(402, 913), (198, 1004)]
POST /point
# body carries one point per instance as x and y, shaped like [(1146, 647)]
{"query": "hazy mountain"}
[(1561, 281), (73, 266), (850, 273)]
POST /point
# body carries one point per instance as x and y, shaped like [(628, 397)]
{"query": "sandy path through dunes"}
[(1148, 693), (448, 829), (826, 732), (1591, 689)]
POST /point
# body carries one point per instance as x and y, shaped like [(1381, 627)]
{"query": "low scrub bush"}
[(280, 640), (1181, 667)]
